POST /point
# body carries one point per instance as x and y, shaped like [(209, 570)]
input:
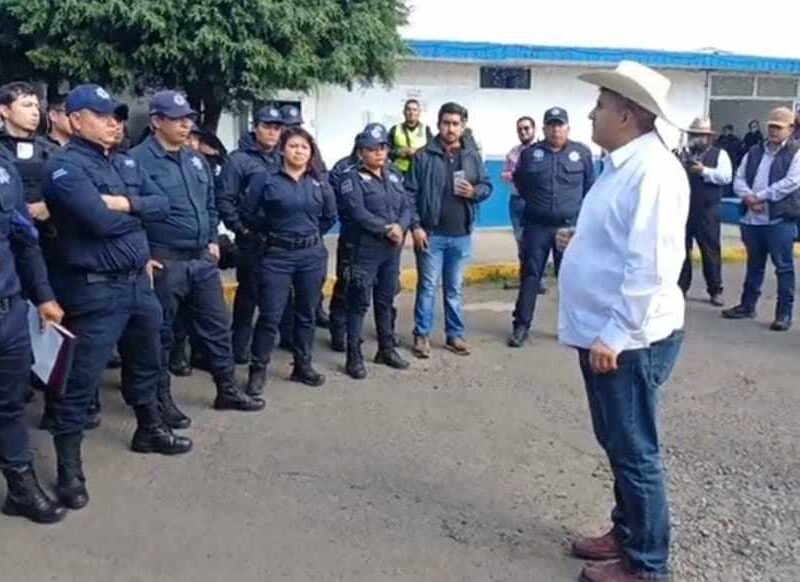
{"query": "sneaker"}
[(458, 346), (422, 347), (739, 312)]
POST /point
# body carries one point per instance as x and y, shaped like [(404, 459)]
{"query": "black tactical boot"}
[(231, 397), (305, 374), (172, 416), (256, 381), (355, 362), (26, 498), (178, 361), (71, 487), (391, 358), (154, 436)]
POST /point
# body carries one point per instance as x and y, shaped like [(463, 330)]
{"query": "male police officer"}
[(99, 202), (552, 176), (256, 155), (21, 268), (185, 245)]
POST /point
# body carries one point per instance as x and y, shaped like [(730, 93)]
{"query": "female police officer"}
[(374, 199), (291, 209)]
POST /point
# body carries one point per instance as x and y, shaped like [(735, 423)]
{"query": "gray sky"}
[(684, 25)]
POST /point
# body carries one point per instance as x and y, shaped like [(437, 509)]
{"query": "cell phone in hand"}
[(459, 176)]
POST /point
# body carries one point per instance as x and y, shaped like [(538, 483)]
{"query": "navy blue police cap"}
[(374, 135), (269, 114), (91, 97), (171, 104)]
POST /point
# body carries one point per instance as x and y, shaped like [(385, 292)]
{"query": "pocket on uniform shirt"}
[(571, 172)]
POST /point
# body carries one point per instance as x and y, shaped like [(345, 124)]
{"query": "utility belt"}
[(165, 254), (292, 243), (113, 276)]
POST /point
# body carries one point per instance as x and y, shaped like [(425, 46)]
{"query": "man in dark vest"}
[(710, 170), (768, 183)]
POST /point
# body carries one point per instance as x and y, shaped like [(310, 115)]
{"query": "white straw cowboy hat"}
[(642, 85), (700, 126)]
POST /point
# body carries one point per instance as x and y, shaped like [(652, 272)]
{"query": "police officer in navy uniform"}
[(256, 155), (100, 202), (344, 250), (379, 213), (291, 209), (22, 269), (552, 176), (184, 244), (292, 117)]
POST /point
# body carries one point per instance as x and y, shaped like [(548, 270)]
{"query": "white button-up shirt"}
[(618, 280)]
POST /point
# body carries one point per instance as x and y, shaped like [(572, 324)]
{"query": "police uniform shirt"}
[(279, 205), (94, 238), (374, 202), (21, 262)]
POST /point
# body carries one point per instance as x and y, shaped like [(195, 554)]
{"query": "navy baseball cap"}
[(291, 115), (374, 135), (556, 115), (171, 104), (91, 97), (269, 114)]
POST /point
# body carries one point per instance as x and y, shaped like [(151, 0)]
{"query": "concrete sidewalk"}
[(494, 257)]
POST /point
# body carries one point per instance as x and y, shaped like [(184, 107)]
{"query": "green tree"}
[(222, 53)]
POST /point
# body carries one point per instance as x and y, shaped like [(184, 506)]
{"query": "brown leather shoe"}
[(458, 346), (422, 347), (604, 547), (613, 572)]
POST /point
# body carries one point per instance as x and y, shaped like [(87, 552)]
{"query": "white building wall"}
[(334, 115), (339, 114)]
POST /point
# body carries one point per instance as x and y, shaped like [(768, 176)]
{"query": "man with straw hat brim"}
[(768, 183), (621, 307), (710, 172)]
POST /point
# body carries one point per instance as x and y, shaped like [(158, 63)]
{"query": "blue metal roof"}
[(498, 53)]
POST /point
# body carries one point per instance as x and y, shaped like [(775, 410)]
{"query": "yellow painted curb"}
[(483, 273)]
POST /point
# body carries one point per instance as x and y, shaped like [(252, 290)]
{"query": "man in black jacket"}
[(256, 155), (446, 183)]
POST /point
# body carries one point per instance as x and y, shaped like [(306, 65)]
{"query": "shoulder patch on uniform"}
[(394, 178), (574, 156), (197, 163), (129, 163), (59, 173), (5, 177), (538, 154), (347, 186)]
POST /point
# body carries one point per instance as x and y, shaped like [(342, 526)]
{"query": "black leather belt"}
[(163, 254), (293, 244), (113, 277)]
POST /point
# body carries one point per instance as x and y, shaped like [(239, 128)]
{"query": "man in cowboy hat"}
[(768, 183), (710, 170), (621, 307)]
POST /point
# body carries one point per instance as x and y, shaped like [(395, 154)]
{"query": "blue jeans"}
[(623, 405), (445, 256), (777, 242)]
